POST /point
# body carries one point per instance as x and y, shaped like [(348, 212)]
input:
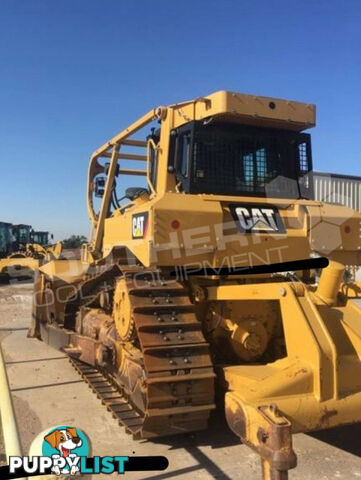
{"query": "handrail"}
[(154, 114), (130, 171), (106, 198), (127, 156), (114, 143), (151, 144)]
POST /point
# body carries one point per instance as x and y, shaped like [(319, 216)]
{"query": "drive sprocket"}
[(122, 312)]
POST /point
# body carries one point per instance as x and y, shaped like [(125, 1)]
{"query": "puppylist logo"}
[(68, 448), (65, 451)]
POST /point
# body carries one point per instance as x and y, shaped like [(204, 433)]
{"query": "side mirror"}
[(99, 186)]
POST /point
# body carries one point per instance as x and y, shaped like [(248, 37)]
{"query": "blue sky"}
[(74, 73)]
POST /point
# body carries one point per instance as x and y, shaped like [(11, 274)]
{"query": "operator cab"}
[(41, 238), (21, 236), (5, 239), (223, 158), (222, 144)]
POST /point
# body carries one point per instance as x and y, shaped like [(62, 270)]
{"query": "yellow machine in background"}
[(23, 250), (201, 285)]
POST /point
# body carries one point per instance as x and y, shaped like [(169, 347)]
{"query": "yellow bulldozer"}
[(215, 280)]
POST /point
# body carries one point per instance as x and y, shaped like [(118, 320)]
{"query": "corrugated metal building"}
[(341, 189)]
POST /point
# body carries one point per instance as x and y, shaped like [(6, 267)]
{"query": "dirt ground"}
[(48, 392)]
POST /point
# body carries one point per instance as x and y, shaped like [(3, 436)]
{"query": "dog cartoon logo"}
[(65, 445)]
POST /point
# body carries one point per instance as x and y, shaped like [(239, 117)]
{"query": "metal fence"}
[(339, 189)]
